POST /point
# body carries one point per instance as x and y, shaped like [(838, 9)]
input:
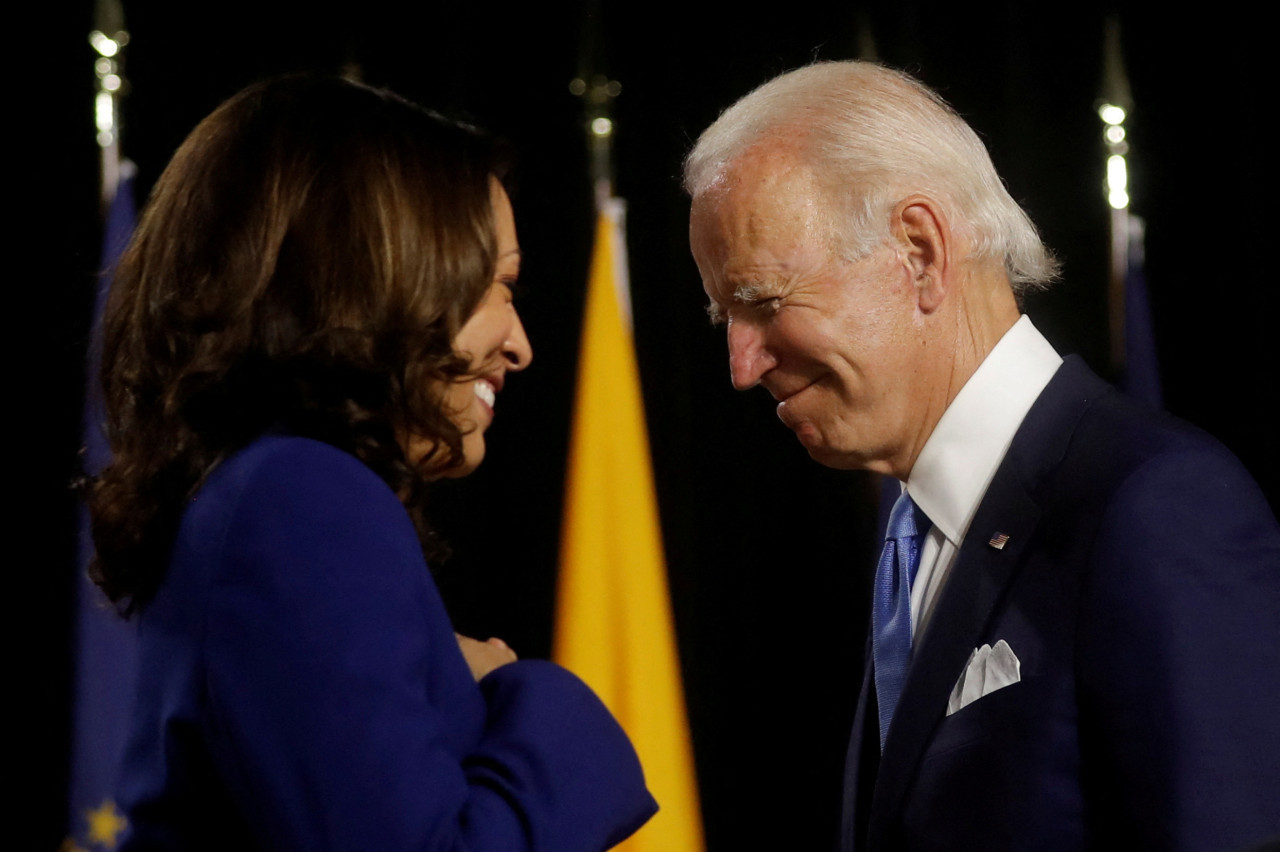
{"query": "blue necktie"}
[(891, 605)]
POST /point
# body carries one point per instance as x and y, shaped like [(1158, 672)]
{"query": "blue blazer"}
[(1140, 590), (301, 689)]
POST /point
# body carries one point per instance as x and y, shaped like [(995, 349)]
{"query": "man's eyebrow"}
[(743, 294)]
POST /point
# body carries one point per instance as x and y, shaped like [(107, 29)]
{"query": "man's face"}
[(838, 344)]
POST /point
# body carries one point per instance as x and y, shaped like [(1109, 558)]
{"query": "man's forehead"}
[(765, 168), (765, 203)]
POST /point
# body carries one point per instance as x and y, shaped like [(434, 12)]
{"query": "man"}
[(1077, 617)]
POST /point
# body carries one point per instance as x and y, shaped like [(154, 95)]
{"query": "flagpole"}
[(597, 93), (109, 38), (1113, 109)]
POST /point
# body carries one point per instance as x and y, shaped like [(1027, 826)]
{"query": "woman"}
[(310, 326)]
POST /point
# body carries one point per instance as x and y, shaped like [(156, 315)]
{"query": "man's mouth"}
[(783, 395)]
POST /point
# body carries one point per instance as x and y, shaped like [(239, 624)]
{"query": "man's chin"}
[(823, 452), (837, 461)]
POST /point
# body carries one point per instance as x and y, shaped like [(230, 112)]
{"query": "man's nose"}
[(749, 359)]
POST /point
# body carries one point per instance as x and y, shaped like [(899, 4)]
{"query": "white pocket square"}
[(989, 668)]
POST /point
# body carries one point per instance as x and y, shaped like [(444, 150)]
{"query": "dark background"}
[(769, 554)]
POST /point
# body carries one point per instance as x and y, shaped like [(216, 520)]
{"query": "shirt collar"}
[(960, 458)]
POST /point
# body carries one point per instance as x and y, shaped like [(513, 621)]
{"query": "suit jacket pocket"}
[(1006, 716)]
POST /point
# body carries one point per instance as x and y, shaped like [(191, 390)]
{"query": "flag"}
[(614, 627), (105, 646), (1141, 377)]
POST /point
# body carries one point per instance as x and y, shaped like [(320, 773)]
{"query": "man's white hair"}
[(872, 136)]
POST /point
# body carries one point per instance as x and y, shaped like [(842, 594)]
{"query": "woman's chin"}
[(458, 471), (472, 454)]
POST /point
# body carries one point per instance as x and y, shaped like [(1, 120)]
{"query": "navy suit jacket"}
[(301, 688), (1140, 589)]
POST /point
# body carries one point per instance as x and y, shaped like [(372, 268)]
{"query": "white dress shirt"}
[(958, 462)]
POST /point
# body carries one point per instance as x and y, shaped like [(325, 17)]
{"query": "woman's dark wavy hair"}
[(303, 263)]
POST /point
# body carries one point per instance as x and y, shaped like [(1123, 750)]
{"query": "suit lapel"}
[(861, 762), (979, 577)]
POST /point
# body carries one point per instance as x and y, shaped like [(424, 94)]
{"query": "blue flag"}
[(1141, 378), (105, 645)]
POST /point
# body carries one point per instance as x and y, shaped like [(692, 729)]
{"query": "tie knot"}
[(905, 519)]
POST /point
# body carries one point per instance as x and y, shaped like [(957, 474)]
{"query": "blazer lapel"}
[(980, 575), (861, 762)]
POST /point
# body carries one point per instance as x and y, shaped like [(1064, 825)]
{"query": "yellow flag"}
[(613, 615)]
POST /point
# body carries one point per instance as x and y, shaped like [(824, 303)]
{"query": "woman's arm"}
[(341, 713)]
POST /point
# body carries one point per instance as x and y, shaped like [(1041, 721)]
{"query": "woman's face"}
[(493, 342)]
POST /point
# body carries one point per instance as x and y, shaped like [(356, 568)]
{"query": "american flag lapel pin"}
[(999, 540)]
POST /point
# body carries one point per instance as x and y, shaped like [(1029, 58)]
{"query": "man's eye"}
[(769, 306)]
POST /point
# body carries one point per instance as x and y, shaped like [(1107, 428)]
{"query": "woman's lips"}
[(486, 393)]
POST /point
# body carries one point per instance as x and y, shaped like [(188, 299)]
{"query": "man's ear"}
[(923, 237)]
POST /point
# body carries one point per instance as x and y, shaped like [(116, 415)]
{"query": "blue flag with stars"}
[(105, 645)]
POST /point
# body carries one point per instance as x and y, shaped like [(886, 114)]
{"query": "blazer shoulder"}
[(1083, 437), (284, 501), (277, 473), (292, 459)]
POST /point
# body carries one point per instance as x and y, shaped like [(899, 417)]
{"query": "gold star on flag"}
[(105, 824)]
